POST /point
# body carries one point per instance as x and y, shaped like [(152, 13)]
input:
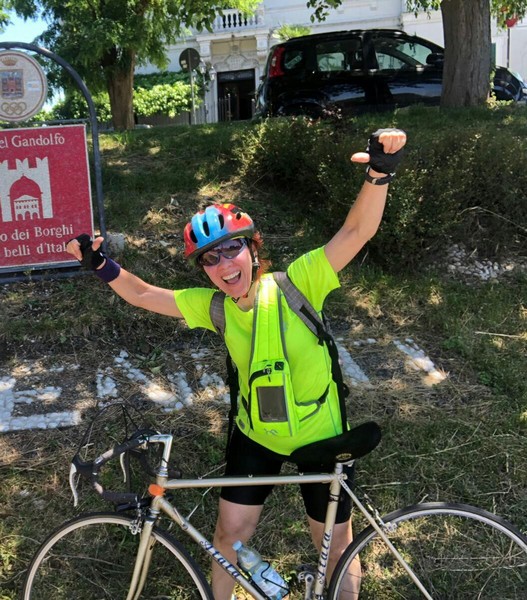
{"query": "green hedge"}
[(167, 93), (463, 178)]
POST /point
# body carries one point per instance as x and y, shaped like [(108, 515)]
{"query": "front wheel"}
[(92, 558), (456, 551)]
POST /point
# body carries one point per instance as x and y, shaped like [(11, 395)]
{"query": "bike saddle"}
[(347, 446)]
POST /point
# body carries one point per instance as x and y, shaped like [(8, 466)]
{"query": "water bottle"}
[(261, 572)]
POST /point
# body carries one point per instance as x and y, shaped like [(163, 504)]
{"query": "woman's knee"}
[(236, 522), (342, 538)]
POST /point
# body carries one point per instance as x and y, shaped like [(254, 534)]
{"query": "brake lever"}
[(123, 466), (73, 485)]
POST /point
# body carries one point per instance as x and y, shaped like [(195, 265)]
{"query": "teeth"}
[(229, 277)]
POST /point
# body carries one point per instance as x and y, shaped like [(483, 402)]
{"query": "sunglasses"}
[(228, 249)]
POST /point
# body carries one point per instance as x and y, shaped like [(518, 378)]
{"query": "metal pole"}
[(193, 114), (508, 47), (193, 120)]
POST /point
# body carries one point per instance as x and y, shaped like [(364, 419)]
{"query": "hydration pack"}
[(271, 407)]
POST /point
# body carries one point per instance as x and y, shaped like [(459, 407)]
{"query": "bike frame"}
[(160, 504)]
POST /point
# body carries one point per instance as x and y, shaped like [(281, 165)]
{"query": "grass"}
[(461, 440)]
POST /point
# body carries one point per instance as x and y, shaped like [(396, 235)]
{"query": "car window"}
[(395, 53), (339, 55), (293, 59)]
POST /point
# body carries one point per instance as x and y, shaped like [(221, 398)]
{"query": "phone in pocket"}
[(272, 403)]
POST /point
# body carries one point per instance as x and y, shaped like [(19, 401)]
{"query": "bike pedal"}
[(303, 571)]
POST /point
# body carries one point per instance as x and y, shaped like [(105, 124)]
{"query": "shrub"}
[(165, 93), (162, 99), (462, 180), (74, 106)]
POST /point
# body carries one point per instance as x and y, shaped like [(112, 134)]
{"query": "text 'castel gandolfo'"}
[(39, 141)]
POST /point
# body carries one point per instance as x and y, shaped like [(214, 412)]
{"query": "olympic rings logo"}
[(13, 109)]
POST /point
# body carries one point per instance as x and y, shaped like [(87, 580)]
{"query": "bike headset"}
[(215, 224)]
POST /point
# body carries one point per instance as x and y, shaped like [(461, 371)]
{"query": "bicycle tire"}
[(92, 557), (457, 551)]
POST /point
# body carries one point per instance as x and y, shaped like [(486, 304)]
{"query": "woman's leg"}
[(240, 506), (316, 498), (342, 537), (235, 522)]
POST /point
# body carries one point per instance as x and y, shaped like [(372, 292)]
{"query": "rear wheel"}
[(456, 551), (92, 557)]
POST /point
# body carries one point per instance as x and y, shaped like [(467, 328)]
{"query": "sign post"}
[(189, 61), (45, 195), (44, 175)]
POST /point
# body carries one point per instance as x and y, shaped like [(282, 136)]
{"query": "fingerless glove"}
[(381, 161), (93, 259)]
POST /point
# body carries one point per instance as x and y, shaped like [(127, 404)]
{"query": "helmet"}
[(213, 225)]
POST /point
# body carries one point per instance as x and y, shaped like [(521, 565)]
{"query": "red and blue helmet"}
[(213, 225)]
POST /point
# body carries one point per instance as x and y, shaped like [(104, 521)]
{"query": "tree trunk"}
[(466, 74), (120, 89)]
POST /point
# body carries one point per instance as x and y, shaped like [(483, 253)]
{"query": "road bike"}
[(433, 550)]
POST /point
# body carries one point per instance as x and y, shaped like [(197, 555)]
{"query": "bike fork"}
[(143, 558)]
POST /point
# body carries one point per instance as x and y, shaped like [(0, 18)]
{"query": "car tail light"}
[(275, 66)]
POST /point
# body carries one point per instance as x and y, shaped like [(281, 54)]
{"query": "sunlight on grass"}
[(498, 343), (436, 297)]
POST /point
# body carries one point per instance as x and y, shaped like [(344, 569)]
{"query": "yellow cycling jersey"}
[(308, 362)]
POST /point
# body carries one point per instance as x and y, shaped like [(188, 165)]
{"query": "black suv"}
[(348, 72)]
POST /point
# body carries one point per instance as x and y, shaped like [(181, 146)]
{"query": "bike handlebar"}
[(116, 497), (91, 469)]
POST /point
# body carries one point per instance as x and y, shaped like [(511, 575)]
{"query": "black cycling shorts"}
[(246, 457)]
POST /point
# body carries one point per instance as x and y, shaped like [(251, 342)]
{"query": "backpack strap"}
[(217, 312), (217, 316), (301, 306)]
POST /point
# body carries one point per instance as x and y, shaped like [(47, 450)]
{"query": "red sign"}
[(45, 195)]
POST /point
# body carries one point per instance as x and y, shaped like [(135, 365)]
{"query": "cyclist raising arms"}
[(222, 240)]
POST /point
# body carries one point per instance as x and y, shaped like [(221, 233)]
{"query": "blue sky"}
[(22, 31)]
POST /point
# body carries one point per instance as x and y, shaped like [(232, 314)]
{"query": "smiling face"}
[(232, 275)]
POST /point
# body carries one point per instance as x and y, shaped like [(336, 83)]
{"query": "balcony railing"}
[(234, 20)]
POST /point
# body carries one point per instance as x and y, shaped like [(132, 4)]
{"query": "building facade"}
[(234, 54)]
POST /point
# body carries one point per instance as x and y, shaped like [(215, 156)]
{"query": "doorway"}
[(236, 95)]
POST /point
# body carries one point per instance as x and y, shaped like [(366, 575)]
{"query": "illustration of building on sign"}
[(12, 84), (25, 192)]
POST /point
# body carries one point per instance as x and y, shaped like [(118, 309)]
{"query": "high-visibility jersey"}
[(309, 362)]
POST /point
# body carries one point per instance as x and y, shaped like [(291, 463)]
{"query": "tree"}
[(467, 34), (287, 32), (104, 40)]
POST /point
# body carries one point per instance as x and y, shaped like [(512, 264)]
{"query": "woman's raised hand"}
[(387, 142), (86, 250)]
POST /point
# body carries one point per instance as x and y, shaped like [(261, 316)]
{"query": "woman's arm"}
[(131, 288), (365, 215)]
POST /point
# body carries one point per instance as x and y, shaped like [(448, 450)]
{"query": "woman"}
[(222, 240)]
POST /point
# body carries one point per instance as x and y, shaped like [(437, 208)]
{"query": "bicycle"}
[(431, 550)]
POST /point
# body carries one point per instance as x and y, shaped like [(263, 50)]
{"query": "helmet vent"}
[(193, 236), (206, 228), (221, 220)]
